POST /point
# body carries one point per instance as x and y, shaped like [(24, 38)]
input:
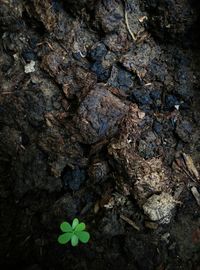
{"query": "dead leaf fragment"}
[(190, 166)]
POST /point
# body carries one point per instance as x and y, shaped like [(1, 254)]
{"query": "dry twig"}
[(127, 24), (130, 222)]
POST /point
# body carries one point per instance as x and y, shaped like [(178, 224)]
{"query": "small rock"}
[(99, 114), (184, 130), (98, 52), (29, 67), (103, 73), (141, 115), (159, 207), (155, 94), (141, 97), (121, 78), (28, 55), (156, 97)]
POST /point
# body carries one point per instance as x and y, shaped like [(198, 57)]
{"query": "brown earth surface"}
[(99, 120)]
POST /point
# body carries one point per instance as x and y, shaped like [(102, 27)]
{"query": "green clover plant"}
[(74, 232)]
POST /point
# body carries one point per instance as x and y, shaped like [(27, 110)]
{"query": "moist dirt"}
[(99, 120)]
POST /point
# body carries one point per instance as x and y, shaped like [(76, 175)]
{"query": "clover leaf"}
[(75, 232)]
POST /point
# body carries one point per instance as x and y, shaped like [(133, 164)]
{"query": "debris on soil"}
[(159, 207), (130, 222), (99, 119), (144, 177), (28, 68), (196, 194), (99, 171), (190, 166), (151, 225)]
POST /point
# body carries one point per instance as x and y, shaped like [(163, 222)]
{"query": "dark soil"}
[(99, 111)]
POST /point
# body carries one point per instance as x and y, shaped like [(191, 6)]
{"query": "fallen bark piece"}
[(159, 207), (196, 195)]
